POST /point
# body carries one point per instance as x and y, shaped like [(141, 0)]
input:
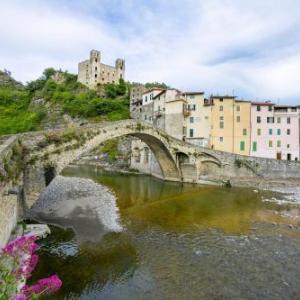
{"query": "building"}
[(147, 109), (198, 118), (170, 112), (92, 72), (230, 124), (136, 99), (275, 131), (287, 120)]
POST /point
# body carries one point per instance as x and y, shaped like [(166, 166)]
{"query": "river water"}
[(170, 240)]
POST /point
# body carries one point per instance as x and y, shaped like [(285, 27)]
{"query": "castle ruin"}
[(92, 72)]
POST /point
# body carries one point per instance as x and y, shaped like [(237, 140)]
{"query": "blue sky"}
[(249, 48)]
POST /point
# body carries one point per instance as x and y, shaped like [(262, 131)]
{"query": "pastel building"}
[(230, 125), (198, 118), (275, 131)]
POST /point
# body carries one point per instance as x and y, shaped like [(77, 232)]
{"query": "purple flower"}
[(20, 297)]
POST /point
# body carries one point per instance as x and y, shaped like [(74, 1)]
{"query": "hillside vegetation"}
[(60, 90), (56, 99)]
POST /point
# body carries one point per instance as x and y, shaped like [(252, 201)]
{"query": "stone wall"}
[(10, 185)]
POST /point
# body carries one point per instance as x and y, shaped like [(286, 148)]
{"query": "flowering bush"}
[(17, 261)]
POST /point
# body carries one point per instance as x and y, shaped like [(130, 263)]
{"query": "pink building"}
[(287, 122), (275, 131)]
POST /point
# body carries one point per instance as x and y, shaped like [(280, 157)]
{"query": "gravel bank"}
[(81, 204)]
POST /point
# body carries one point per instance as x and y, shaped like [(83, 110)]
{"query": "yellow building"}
[(230, 124)]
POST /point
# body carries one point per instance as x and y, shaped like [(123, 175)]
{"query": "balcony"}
[(186, 113)]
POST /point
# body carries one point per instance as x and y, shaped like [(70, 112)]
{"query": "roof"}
[(224, 97), (152, 89), (162, 92), (287, 106), (193, 93), (266, 103), (242, 101)]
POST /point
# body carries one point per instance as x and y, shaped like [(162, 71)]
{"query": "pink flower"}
[(45, 286), (20, 297)]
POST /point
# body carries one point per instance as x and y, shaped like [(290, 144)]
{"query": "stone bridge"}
[(28, 162)]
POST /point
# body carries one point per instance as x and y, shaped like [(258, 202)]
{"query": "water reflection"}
[(178, 242)]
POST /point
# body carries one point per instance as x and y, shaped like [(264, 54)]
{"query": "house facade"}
[(198, 118), (275, 131), (230, 125)]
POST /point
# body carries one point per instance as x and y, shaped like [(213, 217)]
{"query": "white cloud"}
[(251, 47)]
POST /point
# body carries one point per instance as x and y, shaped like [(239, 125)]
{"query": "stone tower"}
[(120, 68), (92, 72), (95, 66)]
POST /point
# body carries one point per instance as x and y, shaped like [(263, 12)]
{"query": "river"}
[(171, 241)]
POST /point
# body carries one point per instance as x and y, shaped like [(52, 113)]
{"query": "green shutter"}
[(254, 146), (242, 145)]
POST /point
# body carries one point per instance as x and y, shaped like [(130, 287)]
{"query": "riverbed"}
[(135, 237)]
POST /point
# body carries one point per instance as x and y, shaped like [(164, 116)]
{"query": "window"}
[(96, 59), (221, 139), (258, 131), (191, 119), (221, 99), (288, 131), (254, 146), (270, 131), (95, 68), (278, 131), (258, 108), (294, 109), (270, 108), (221, 108), (270, 119), (278, 120), (270, 144), (184, 130), (146, 98), (258, 119), (242, 146), (288, 146), (221, 118), (238, 119), (288, 120), (221, 125), (238, 108), (244, 131), (96, 75), (192, 96), (278, 143), (191, 132), (145, 117)]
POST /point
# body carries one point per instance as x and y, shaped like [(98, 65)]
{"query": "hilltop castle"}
[(92, 72)]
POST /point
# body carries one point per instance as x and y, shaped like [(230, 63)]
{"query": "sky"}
[(246, 48)]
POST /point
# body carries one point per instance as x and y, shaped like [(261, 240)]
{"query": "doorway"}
[(278, 155)]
